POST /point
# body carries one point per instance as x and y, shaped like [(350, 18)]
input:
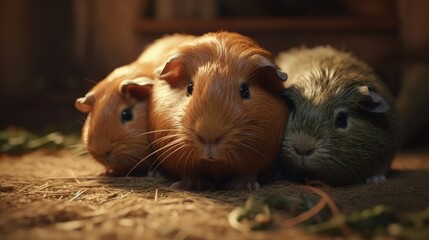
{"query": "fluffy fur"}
[(121, 146), (214, 134), (323, 84)]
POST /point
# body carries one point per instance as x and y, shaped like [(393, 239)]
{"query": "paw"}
[(190, 184), (248, 182), (154, 174), (113, 172), (377, 179)]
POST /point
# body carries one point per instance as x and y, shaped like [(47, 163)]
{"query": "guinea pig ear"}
[(263, 62), (374, 102), (173, 71), (138, 88), (85, 104)]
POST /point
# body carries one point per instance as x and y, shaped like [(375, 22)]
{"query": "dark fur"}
[(322, 81)]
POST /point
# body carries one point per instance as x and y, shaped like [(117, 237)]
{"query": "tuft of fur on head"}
[(213, 131), (331, 134)]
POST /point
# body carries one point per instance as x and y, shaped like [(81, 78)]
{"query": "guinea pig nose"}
[(303, 150)]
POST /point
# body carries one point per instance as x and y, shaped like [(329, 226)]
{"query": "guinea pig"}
[(342, 127), (217, 112), (115, 130)]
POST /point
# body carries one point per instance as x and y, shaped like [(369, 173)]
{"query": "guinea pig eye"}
[(190, 89), (244, 91), (126, 115), (341, 119)]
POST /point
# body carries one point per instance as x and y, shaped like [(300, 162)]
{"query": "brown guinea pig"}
[(342, 127), (115, 130), (217, 112)]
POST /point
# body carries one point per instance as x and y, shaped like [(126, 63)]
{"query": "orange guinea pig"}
[(115, 130), (216, 112)]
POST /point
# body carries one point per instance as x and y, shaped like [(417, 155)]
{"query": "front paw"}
[(246, 182), (113, 172), (123, 171), (190, 184), (376, 179)]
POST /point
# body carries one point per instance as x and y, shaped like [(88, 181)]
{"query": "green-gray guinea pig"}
[(342, 127)]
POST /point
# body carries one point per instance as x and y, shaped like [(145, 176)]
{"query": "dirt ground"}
[(45, 195)]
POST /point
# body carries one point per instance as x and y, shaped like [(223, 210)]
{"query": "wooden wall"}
[(52, 52), (413, 98)]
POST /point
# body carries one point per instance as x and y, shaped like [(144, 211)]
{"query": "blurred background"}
[(53, 51)]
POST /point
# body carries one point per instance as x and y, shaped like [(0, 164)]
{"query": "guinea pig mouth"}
[(306, 163), (211, 159), (302, 162), (210, 152)]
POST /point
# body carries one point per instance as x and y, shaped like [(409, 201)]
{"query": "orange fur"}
[(118, 146), (241, 136)]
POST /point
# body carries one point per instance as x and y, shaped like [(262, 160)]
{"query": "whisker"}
[(91, 81), (177, 149), (336, 171), (155, 142), (189, 153), (157, 131), (228, 161), (169, 146), (256, 151), (193, 162), (235, 158), (362, 151), (78, 150), (142, 160), (180, 158), (81, 121), (158, 141)]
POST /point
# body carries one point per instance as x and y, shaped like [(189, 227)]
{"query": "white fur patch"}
[(377, 179), (119, 72), (86, 129)]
